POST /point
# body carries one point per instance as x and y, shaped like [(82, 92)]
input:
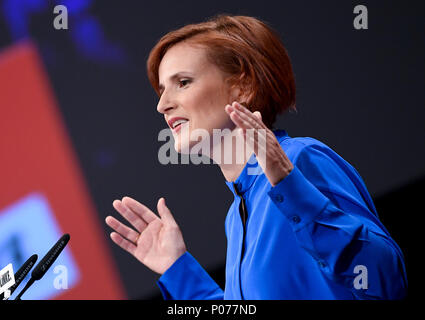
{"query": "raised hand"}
[(270, 155), (156, 242)]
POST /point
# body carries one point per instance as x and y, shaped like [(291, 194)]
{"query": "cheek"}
[(207, 107), (203, 102)]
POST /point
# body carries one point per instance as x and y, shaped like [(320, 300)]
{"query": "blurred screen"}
[(43, 193)]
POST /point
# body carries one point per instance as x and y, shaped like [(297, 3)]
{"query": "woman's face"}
[(193, 90)]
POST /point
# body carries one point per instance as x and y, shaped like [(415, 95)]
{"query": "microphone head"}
[(50, 258)]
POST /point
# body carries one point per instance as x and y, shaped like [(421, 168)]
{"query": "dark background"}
[(359, 91)]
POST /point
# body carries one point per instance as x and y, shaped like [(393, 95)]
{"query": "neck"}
[(231, 172), (230, 155)]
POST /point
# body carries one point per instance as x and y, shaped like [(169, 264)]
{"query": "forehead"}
[(182, 57)]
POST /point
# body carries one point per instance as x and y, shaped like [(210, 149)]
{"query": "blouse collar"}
[(252, 170)]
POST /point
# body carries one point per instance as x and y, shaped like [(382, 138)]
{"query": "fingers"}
[(253, 129), (135, 220), (237, 120), (244, 118), (142, 211), (123, 243), (122, 229), (247, 117), (165, 213), (234, 116), (258, 115)]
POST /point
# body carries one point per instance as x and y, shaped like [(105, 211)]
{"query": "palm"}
[(147, 248), (270, 155), (158, 242)]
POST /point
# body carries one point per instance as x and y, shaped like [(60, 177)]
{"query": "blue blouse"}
[(315, 235)]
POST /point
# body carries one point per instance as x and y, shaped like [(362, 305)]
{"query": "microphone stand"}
[(29, 283)]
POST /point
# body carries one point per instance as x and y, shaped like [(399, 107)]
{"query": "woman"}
[(305, 226)]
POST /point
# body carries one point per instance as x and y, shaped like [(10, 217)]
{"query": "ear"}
[(240, 91)]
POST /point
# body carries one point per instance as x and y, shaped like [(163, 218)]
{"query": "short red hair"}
[(246, 49)]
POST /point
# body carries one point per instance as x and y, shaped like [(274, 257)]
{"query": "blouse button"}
[(296, 219), (279, 198)]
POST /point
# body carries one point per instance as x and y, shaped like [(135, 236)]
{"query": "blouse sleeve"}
[(187, 280), (337, 229)]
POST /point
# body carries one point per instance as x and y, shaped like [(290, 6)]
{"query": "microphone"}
[(45, 263), (22, 273)]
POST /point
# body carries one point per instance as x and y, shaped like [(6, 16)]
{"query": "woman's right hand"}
[(157, 243)]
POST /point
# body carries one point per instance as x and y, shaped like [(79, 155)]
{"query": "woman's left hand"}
[(270, 155)]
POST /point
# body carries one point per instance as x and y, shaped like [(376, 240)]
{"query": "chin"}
[(183, 148), (183, 143)]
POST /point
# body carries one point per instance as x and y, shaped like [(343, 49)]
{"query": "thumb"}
[(164, 212)]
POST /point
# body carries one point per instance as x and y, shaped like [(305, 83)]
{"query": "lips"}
[(176, 122)]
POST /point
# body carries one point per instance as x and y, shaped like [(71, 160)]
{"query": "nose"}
[(165, 105)]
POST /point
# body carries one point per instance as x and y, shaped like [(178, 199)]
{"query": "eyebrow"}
[(174, 76)]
